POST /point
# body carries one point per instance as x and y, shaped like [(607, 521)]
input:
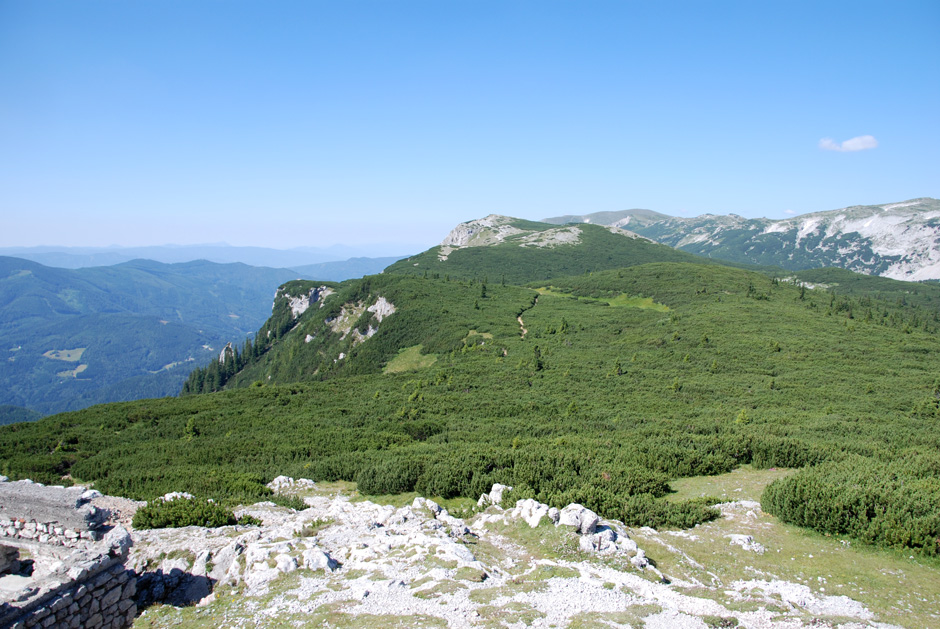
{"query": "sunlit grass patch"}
[(509, 614), (473, 333), (409, 359), (744, 483), (627, 301), (68, 355), (632, 616)]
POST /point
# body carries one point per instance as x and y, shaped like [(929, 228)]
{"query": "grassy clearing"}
[(744, 483), (623, 300), (646, 303), (488, 595), (898, 587), (68, 355), (473, 333), (441, 589), (509, 614), (72, 373), (458, 507), (409, 359)]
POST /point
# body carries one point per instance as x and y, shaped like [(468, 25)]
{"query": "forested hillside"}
[(73, 338)]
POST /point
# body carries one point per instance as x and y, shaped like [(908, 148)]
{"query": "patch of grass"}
[(622, 300), (898, 587), (544, 572), (743, 483), (439, 589), (474, 575), (488, 595), (329, 489), (313, 527), (353, 574), (434, 561), (631, 617), (645, 303), (510, 614), (68, 355), (377, 621), (409, 359), (543, 542)]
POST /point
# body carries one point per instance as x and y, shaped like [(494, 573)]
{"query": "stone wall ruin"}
[(60, 565)]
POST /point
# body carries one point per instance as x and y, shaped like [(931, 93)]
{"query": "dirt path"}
[(519, 318)]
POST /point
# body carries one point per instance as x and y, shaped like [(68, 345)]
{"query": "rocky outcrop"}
[(495, 497), (581, 519), (299, 304)]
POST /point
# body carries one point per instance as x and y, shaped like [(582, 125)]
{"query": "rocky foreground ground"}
[(356, 563)]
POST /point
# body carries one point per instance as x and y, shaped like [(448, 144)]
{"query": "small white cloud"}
[(861, 143), (790, 212)]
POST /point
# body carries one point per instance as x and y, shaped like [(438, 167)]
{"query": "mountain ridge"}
[(899, 240)]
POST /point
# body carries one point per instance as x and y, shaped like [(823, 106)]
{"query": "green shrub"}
[(161, 514), (389, 477), (876, 502), (645, 510)]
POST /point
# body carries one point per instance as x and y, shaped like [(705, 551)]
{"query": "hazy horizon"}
[(320, 123)]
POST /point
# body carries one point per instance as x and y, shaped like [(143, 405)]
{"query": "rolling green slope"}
[(594, 388)]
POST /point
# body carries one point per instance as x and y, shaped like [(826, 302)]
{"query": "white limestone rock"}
[(746, 542), (639, 560), (118, 540), (530, 510), (582, 519), (496, 493), (316, 559)]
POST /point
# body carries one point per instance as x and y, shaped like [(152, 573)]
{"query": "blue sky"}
[(283, 124)]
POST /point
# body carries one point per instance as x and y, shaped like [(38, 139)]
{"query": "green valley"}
[(74, 338)]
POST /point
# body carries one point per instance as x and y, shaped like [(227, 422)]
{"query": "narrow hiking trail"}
[(519, 318)]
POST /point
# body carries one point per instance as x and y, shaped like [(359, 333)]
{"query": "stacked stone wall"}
[(49, 515), (46, 533), (95, 594)]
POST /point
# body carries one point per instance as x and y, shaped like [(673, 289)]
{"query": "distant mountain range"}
[(896, 240), (81, 257)]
